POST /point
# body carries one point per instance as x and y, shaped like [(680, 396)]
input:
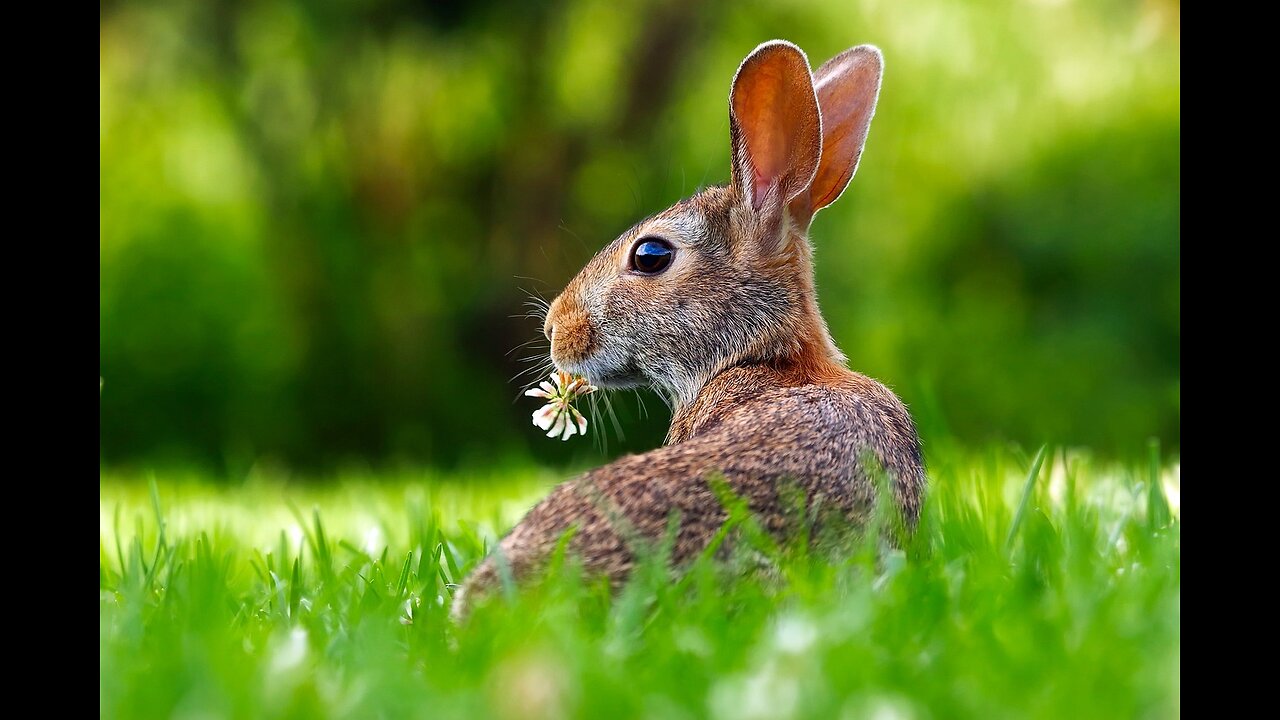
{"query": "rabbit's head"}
[(726, 277)]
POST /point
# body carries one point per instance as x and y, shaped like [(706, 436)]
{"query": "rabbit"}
[(712, 303)]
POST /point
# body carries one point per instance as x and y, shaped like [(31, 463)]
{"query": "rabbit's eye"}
[(651, 256)]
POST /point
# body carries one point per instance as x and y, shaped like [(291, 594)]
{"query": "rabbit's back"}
[(766, 440)]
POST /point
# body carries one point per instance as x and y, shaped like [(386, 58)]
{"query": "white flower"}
[(559, 416)]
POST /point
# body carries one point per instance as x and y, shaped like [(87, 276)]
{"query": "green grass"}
[(1054, 595)]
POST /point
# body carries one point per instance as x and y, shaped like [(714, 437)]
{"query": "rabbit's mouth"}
[(606, 371)]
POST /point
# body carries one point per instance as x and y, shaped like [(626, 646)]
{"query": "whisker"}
[(540, 369), (599, 440), (613, 417), (524, 344), (573, 234), (537, 371), (535, 299), (644, 409), (520, 391)]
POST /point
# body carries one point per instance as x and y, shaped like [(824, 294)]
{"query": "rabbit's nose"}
[(549, 320)]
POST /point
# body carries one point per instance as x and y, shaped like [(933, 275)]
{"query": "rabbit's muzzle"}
[(568, 327)]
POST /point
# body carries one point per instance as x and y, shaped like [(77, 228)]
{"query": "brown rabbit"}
[(712, 302)]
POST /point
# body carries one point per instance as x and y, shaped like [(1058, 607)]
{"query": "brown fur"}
[(732, 334), (576, 339)]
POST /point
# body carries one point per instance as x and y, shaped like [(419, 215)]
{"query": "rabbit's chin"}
[(605, 374)]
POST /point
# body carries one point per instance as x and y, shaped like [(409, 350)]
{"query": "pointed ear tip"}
[(776, 43), (859, 58), (869, 52), (769, 47)]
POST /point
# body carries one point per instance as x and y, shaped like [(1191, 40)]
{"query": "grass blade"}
[(295, 588), (455, 576), (1026, 498), (1158, 514), (403, 582)]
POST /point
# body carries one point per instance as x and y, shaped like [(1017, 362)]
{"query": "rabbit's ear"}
[(848, 85), (774, 127)]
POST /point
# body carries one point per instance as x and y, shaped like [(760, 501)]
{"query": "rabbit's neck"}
[(816, 362), (799, 350)]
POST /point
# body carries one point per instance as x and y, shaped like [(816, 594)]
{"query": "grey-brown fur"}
[(731, 332)]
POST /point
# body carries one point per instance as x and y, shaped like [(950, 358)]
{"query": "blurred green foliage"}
[(319, 220)]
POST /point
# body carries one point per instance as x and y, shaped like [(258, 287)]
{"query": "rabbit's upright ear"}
[(847, 85), (774, 127)]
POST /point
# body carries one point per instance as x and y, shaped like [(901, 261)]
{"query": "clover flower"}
[(559, 416)]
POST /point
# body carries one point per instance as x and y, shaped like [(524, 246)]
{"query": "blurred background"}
[(320, 221)]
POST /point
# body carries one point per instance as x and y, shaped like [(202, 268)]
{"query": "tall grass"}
[(1042, 588)]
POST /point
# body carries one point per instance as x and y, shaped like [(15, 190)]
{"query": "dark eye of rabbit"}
[(651, 256)]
